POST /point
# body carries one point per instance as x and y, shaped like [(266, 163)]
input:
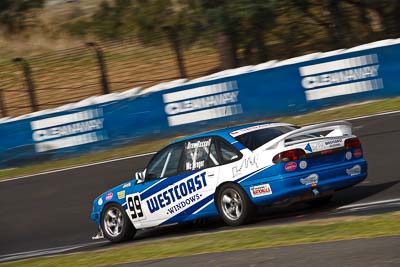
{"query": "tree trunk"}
[(338, 30), (175, 43), (396, 18), (227, 51), (366, 22), (262, 53)]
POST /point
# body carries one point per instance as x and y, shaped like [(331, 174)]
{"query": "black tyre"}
[(234, 206), (115, 224)]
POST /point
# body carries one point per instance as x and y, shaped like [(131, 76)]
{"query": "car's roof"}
[(223, 132)]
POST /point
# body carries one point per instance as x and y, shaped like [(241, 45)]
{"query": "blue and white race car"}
[(229, 172)]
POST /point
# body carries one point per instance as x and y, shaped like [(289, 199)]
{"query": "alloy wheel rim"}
[(232, 204), (113, 221)]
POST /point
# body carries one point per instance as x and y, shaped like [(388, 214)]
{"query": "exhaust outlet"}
[(315, 192)]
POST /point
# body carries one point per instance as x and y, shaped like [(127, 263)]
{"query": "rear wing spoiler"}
[(334, 129)]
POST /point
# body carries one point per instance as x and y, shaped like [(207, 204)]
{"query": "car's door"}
[(205, 156), (200, 156), (146, 207)]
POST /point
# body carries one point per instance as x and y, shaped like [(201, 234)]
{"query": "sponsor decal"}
[(184, 203), (175, 195), (196, 153), (290, 166), (121, 194), (324, 145), (308, 148), (126, 185), (100, 202), (333, 142), (260, 190), (311, 179), (349, 155), (244, 165), (303, 164), (200, 143), (255, 128), (252, 129), (202, 103), (356, 170), (109, 196), (357, 152), (68, 130), (341, 77)]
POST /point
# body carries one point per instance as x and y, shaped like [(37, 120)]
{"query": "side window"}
[(165, 163), (228, 152), (213, 159), (199, 154)]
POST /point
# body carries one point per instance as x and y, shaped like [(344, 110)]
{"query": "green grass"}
[(344, 228), (149, 146)]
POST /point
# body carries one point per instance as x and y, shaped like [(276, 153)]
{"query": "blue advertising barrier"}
[(266, 90)]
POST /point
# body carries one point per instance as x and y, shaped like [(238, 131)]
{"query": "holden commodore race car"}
[(229, 172)]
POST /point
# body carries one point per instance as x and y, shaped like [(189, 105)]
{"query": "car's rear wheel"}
[(234, 206), (115, 224)]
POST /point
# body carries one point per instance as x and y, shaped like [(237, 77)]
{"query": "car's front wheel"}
[(234, 206), (115, 224)]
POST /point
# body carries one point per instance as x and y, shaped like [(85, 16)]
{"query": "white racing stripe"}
[(161, 180), (151, 153), (203, 207)]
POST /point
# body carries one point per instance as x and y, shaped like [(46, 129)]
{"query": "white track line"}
[(374, 203), (151, 153), (45, 252), (373, 115), (79, 166)]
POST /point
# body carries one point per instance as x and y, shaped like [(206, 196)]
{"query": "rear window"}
[(255, 139)]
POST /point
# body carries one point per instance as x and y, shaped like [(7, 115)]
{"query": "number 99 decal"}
[(134, 207)]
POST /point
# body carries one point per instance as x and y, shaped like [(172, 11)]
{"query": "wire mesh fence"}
[(72, 75), (60, 77)]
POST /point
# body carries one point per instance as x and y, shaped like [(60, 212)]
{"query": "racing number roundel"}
[(134, 207)]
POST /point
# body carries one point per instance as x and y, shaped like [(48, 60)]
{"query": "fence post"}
[(30, 86), (3, 110), (102, 66)]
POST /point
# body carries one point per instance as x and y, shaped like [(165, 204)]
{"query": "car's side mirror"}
[(139, 176)]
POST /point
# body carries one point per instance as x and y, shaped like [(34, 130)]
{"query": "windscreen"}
[(255, 139)]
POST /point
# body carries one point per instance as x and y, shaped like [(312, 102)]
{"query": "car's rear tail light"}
[(352, 143), (289, 155), (357, 153)]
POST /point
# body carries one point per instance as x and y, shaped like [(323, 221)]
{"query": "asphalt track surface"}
[(382, 251), (52, 210)]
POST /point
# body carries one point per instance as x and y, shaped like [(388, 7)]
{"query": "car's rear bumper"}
[(300, 185)]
